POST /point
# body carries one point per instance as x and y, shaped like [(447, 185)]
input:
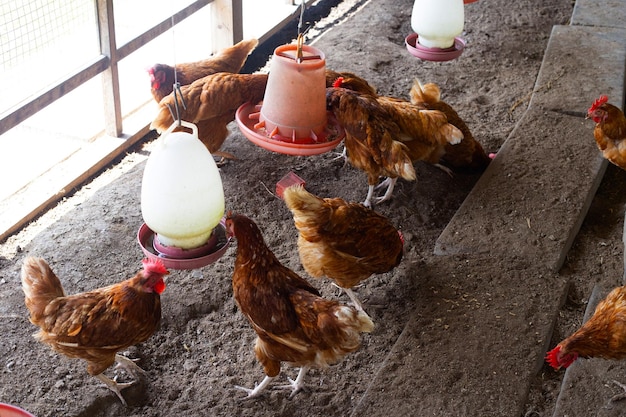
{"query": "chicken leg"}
[(620, 396), (355, 300), (297, 385), (390, 183), (256, 391), (130, 367), (115, 386)]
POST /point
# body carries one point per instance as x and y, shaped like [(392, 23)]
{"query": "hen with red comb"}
[(97, 324), (610, 130), (602, 336)]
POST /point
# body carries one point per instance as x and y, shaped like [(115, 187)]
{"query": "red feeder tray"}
[(434, 54), (247, 118), (184, 259)]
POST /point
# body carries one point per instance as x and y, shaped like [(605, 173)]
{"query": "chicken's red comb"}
[(338, 82), (552, 357), (600, 101), (154, 266), (401, 237)]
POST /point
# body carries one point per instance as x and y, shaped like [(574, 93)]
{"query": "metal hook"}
[(300, 41), (177, 95)]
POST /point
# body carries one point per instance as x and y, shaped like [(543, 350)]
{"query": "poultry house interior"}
[(498, 264)]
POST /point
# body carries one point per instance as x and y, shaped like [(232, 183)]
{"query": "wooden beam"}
[(160, 28), (48, 201), (110, 78), (226, 24), (21, 112)]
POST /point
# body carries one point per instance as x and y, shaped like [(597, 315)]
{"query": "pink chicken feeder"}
[(182, 202), (437, 24), (292, 118)]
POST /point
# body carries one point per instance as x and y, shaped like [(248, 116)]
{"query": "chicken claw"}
[(621, 396), (368, 199), (355, 300), (115, 386), (129, 366), (445, 169), (390, 183), (254, 393), (343, 155), (297, 385)]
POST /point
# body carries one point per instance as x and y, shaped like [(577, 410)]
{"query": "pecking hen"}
[(385, 135), (211, 103), (602, 336), (466, 155), (231, 59), (346, 242), (293, 323)]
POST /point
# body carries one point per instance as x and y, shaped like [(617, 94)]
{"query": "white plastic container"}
[(182, 198), (437, 22)]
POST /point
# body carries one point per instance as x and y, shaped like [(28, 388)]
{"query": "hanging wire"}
[(176, 86)]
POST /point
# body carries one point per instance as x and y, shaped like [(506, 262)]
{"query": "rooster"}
[(95, 325), (610, 130), (162, 76), (385, 135), (469, 153), (293, 323), (346, 242), (211, 103)]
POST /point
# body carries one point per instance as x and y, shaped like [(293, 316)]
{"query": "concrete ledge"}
[(605, 13), (508, 327), (554, 123)]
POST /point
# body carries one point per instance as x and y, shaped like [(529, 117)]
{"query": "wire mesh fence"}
[(28, 27), (41, 41)]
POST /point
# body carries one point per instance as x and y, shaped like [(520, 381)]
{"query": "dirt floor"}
[(204, 346)]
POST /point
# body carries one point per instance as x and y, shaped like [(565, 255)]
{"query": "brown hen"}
[(469, 153), (211, 103), (346, 242), (350, 81), (602, 336), (610, 130), (230, 59), (95, 325), (385, 135), (293, 323)]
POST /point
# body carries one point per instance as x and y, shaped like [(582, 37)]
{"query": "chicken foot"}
[(115, 386), (129, 366), (297, 385), (620, 396), (355, 300), (343, 155), (390, 183), (445, 169), (256, 391)]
